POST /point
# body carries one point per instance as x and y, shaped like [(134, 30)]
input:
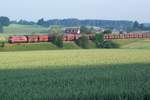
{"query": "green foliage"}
[(40, 21), (87, 30), (4, 21), (2, 44), (1, 28), (107, 32), (98, 23), (101, 43), (83, 42), (58, 41), (98, 39), (25, 22), (55, 30), (109, 44), (83, 30)]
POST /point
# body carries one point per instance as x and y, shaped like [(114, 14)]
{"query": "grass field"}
[(134, 43), (75, 75)]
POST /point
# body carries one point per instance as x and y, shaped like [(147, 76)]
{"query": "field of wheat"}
[(111, 74)]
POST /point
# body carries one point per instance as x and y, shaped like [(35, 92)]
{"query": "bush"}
[(57, 40), (98, 39), (109, 44), (107, 32), (2, 44), (83, 42)]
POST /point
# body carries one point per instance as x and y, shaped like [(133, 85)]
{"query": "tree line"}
[(110, 24), (4, 21)]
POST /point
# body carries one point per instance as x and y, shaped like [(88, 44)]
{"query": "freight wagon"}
[(18, 39), (126, 36)]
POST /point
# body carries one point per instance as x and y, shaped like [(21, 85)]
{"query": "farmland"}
[(114, 74)]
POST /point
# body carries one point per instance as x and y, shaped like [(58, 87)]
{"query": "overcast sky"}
[(82, 9)]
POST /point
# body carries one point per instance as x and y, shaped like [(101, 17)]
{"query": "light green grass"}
[(29, 47), (44, 59), (70, 45), (133, 43)]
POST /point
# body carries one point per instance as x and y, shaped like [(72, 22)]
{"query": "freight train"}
[(70, 37), (126, 36), (44, 38)]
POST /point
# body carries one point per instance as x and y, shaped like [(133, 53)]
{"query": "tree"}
[(58, 41), (24, 22), (84, 30), (83, 42), (55, 30), (1, 29), (136, 25), (98, 39), (41, 21), (109, 44), (107, 32), (4, 21)]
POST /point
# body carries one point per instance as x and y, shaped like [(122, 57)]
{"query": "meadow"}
[(112, 74)]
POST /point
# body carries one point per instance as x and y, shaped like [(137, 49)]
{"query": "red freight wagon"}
[(70, 37), (32, 38), (17, 39), (43, 38)]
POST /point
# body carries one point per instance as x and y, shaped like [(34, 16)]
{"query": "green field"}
[(114, 74), (133, 43)]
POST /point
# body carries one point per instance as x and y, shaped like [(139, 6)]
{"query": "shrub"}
[(109, 44), (57, 40), (98, 39), (83, 42), (2, 44)]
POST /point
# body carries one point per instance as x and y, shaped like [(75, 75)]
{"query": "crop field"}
[(112, 74)]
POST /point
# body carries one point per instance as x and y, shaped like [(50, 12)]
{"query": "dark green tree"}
[(98, 39), (4, 21), (83, 42), (107, 32), (84, 30), (109, 44), (58, 41), (40, 21), (136, 25), (1, 29)]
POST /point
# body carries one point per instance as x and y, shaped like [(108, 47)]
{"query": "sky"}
[(82, 9)]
